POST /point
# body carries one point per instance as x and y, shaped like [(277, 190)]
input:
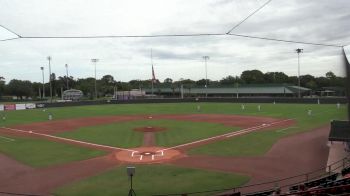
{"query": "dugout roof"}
[(340, 131)]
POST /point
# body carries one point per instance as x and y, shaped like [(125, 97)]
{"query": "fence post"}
[(307, 177), (329, 169)]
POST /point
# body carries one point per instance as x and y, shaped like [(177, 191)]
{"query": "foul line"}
[(282, 130), (66, 139), (231, 134)]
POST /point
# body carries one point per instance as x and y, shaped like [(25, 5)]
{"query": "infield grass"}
[(122, 135), (153, 179)]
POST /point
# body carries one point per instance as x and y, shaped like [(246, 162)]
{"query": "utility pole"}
[(95, 62), (206, 75), (299, 50), (152, 72), (67, 76), (49, 59), (42, 71)]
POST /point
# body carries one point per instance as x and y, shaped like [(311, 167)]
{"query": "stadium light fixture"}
[(67, 75), (49, 59), (206, 58), (95, 62), (42, 71), (299, 50)]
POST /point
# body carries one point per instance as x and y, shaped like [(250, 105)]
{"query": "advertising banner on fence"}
[(2, 108), (10, 107), (20, 106), (30, 105), (40, 105)]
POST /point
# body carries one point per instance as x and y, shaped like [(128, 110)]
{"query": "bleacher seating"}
[(314, 183), (333, 184), (345, 171), (344, 181), (262, 193)]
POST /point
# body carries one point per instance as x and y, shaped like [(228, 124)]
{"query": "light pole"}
[(206, 76), (42, 71), (299, 50), (49, 59), (95, 62), (67, 75)]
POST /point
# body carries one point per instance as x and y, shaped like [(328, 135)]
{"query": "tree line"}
[(107, 84)]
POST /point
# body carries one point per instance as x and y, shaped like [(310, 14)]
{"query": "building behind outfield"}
[(241, 91), (72, 94)]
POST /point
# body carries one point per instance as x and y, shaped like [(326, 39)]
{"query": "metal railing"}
[(283, 183)]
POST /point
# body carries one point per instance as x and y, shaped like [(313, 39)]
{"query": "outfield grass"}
[(43, 153), (153, 179), (298, 111)]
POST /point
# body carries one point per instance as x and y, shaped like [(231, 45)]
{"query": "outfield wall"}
[(192, 100)]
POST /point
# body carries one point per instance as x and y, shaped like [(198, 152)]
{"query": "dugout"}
[(340, 131)]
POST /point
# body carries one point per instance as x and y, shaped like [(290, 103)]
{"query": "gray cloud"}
[(175, 57)]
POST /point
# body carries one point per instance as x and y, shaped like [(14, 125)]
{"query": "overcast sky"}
[(320, 21)]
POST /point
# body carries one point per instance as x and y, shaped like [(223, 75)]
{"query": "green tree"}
[(2, 86), (168, 81), (228, 80), (20, 88), (252, 76), (275, 77)]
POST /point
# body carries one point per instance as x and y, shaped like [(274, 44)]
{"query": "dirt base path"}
[(17, 169), (43, 181), (292, 155)]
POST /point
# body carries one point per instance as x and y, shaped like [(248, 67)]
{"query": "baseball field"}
[(176, 148)]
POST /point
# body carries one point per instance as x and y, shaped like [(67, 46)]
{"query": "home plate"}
[(147, 155)]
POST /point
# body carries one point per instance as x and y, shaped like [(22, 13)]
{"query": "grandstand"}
[(240, 91)]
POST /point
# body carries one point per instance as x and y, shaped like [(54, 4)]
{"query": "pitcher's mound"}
[(150, 129), (147, 155)]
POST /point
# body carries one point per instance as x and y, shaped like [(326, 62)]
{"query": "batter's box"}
[(147, 155)]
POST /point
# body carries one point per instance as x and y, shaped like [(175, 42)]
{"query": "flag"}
[(153, 75)]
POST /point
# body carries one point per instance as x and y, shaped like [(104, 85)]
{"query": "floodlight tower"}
[(67, 75), (42, 71), (206, 75), (299, 50), (49, 59), (95, 62)]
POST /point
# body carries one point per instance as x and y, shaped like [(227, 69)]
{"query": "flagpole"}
[(152, 69)]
